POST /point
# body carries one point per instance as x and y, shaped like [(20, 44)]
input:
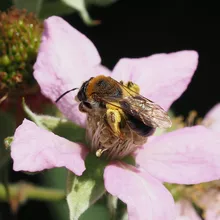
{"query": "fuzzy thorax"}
[(105, 143)]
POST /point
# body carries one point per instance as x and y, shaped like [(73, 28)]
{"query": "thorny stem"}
[(24, 191)]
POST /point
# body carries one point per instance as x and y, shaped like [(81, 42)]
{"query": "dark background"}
[(135, 28)]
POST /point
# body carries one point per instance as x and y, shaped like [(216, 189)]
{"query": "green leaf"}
[(58, 126), (30, 5), (56, 178), (97, 212), (112, 205), (85, 190), (64, 128), (57, 7), (65, 7), (102, 3), (124, 216), (34, 117), (80, 6)]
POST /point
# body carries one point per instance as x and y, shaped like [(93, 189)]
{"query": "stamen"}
[(99, 152), (190, 121)]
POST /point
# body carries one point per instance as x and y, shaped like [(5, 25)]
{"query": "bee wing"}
[(146, 111), (139, 107)]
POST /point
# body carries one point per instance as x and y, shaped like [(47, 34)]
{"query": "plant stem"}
[(24, 191)]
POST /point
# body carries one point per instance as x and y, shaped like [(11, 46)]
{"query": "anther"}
[(99, 152)]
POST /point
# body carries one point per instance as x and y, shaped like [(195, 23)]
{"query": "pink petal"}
[(65, 60), (35, 149), (185, 211), (161, 77), (212, 119), (186, 156), (102, 70), (210, 202), (213, 212), (146, 198)]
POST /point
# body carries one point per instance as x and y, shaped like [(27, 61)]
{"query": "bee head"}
[(81, 96)]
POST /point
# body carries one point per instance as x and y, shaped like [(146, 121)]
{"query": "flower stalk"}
[(24, 191)]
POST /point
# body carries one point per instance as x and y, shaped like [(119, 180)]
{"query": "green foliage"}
[(102, 3), (46, 8), (32, 6), (5, 4), (97, 212), (80, 6), (64, 128), (83, 191), (56, 178), (61, 127), (7, 127), (55, 7)]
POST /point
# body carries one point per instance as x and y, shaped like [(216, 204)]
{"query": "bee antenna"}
[(58, 99)]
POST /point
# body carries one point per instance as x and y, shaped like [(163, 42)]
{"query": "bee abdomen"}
[(139, 127)]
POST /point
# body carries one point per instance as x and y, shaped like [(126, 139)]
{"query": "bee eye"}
[(81, 96)]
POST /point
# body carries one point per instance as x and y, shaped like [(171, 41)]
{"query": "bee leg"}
[(113, 118), (134, 87)]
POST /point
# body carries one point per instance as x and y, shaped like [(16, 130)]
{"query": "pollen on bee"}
[(103, 141)]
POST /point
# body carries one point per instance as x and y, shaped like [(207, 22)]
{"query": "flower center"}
[(191, 120), (104, 142), (119, 119)]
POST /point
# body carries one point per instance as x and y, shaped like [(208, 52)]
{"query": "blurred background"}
[(135, 29)]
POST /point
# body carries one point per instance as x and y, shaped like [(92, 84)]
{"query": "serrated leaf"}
[(30, 5), (83, 191), (61, 127)]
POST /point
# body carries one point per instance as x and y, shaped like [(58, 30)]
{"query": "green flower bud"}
[(20, 34)]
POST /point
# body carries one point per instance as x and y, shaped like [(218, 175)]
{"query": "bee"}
[(121, 106)]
